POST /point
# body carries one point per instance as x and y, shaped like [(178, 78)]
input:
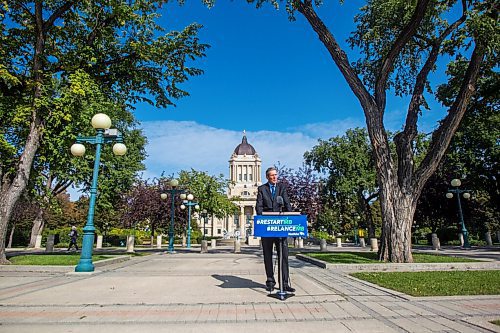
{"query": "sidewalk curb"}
[(402, 267), (59, 269)]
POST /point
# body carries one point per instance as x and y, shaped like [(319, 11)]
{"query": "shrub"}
[(322, 235)]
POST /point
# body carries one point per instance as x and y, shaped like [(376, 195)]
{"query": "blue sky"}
[(263, 74)]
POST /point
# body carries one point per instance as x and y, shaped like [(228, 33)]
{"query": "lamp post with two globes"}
[(187, 200), (102, 124), (173, 190), (456, 183)]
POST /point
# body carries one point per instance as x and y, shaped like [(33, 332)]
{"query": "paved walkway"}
[(223, 292)]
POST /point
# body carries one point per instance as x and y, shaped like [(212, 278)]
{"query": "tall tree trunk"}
[(12, 190), (397, 216), (11, 236), (39, 221), (369, 218), (37, 228)]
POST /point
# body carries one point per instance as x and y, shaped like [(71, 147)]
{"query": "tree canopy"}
[(118, 44)]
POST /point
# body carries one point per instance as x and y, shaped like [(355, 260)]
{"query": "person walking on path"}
[(73, 237)]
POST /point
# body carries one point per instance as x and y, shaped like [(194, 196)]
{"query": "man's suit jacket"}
[(267, 203)]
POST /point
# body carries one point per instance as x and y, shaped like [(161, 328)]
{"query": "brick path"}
[(223, 292)]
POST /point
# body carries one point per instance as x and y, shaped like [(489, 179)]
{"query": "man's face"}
[(272, 176)]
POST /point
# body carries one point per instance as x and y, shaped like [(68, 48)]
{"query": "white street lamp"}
[(101, 121), (119, 149)]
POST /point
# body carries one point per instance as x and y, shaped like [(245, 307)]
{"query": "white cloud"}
[(174, 146), (330, 129)]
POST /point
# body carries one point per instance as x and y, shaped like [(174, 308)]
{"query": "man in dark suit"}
[(266, 202)]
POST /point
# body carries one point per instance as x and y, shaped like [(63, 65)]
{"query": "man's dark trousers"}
[(267, 247)]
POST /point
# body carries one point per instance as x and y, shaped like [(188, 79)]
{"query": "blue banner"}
[(280, 225)]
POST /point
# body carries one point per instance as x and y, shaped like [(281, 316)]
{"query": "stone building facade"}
[(245, 176)]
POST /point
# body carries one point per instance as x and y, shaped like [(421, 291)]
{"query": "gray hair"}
[(270, 169)]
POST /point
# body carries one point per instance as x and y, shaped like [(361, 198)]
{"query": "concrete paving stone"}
[(282, 311), (309, 287), (19, 280), (108, 314), (428, 323), (227, 312), (162, 313), (484, 323), (353, 310), (380, 309), (190, 312), (335, 310), (300, 311), (263, 311), (245, 312), (208, 313), (485, 306), (416, 308), (408, 325), (440, 307), (398, 309), (370, 325), (318, 311), (461, 308), (454, 325), (16, 314)]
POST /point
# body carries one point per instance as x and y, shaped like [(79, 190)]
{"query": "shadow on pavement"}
[(231, 281)]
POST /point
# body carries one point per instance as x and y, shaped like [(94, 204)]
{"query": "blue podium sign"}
[(280, 225)]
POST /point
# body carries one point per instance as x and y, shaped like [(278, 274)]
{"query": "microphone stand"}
[(281, 294)]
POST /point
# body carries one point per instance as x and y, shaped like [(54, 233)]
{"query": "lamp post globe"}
[(183, 196), (119, 149), (190, 197), (449, 195), (183, 207), (466, 195), (163, 196), (101, 121), (77, 149), (456, 182), (174, 183)]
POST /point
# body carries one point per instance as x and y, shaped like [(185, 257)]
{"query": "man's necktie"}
[(273, 190)]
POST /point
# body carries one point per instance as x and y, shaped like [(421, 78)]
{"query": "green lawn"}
[(52, 259), (371, 258), (437, 283)]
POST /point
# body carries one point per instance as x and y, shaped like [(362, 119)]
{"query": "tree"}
[(401, 43), (117, 43), (473, 156), (209, 192), (348, 164), (303, 191), (143, 203), (54, 169)]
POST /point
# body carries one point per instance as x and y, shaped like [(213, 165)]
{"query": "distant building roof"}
[(244, 148)]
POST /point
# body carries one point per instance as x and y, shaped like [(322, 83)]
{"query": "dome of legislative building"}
[(244, 148)]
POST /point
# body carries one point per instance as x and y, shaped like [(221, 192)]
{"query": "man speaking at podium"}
[(272, 197)]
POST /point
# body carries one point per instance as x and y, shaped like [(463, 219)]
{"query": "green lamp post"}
[(102, 124), (188, 201), (456, 183), (173, 191)]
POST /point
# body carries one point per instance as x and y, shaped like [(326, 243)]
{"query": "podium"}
[(280, 225)]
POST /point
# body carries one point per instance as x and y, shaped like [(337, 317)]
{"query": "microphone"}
[(279, 201)]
